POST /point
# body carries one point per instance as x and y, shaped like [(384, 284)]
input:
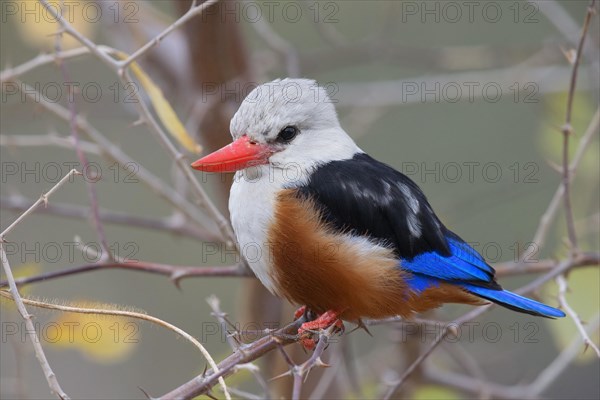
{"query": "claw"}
[(308, 329)]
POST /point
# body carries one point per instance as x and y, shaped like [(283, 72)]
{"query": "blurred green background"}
[(517, 137)]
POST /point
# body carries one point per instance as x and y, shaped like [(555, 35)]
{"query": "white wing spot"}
[(413, 222)]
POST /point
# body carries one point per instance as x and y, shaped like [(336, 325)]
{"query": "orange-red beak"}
[(240, 154)]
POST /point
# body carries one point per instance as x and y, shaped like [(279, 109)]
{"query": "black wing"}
[(366, 197)]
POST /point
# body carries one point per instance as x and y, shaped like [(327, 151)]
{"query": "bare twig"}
[(519, 391), (540, 234), (562, 298), (199, 193), (176, 223), (42, 59), (43, 199), (560, 268), (31, 332), (128, 314), (50, 139), (560, 363), (215, 305), (408, 372), (567, 129), (194, 11), (174, 272), (202, 384), (120, 68), (90, 184), (300, 372), (39, 351), (385, 93), (117, 155), (68, 28)]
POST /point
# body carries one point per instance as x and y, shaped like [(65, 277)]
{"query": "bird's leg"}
[(324, 321)]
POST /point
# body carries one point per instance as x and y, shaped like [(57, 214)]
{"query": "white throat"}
[(254, 191)]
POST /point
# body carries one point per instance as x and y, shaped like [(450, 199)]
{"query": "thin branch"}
[(286, 335), (117, 155), (562, 298), (560, 363), (176, 223), (39, 351), (31, 332), (120, 68), (546, 265), (175, 273), (386, 93), (215, 305), (43, 199), (50, 139), (90, 185), (203, 383), (561, 268), (42, 59), (200, 195), (68, 28), (540, 234), (567, 130), (494, 390), (128, 314), (194, 11), (408, 372), (300, 372)]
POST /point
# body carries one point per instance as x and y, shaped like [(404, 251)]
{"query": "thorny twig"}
[(567, 130), (200, 195), (129, 314), (174, 272), (90, 185), (562, 298), (300, 372), (14, 291), (256, 349)]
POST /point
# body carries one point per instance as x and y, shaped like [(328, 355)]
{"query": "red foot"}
[(299, 312), (324, 321)]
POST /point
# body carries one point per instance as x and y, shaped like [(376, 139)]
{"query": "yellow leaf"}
[(163, 109), (38, 27), (435, 392), (21, 271), (103, 339)]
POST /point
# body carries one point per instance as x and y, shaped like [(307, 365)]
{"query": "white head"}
[(287, 123)]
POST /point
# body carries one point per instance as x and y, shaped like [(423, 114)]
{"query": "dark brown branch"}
[(174, 272), (203, 383), (178, 272), (252, 351)]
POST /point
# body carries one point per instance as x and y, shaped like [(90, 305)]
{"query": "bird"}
[(326, 226)]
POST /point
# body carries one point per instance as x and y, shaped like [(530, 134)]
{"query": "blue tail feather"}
[(515, 302)]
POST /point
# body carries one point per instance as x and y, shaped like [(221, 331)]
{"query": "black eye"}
[(287, 134)]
